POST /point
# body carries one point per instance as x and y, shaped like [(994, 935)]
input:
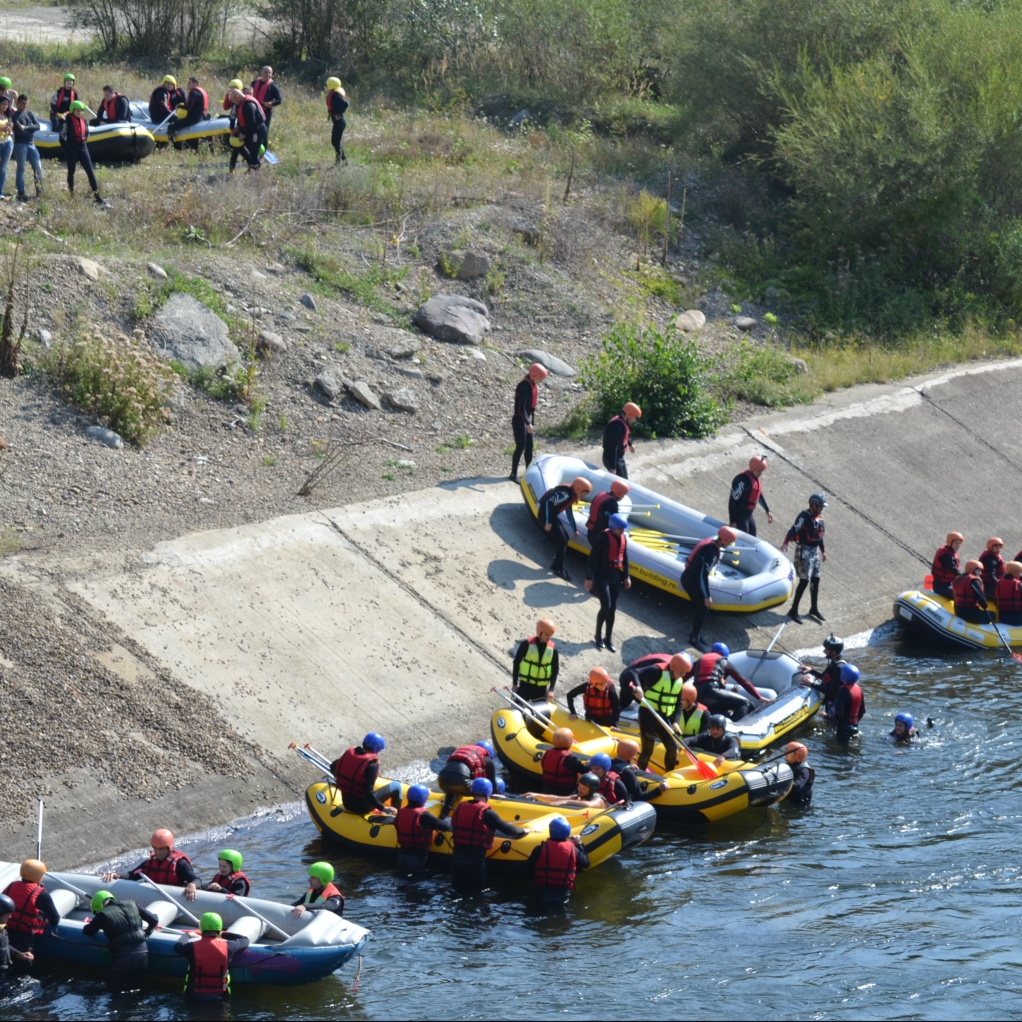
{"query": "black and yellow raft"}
[(932, 618), (122, 142), (689, 798), (602, 836)]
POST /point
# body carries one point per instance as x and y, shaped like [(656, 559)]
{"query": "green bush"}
[(764, 376), (118, 380), (661, 372)]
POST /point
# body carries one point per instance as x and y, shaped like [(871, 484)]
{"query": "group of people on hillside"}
[(984, 580)]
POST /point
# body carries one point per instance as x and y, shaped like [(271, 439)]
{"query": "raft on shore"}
[(121, 142), (216, 130), (662, 533), (317, 944), (932, 619)]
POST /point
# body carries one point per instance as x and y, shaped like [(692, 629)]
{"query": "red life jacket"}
[(557, 778), (469, 829), (256, 121), (606, 788), (755, 489), (1009, 595), (597, 702), (227, 102), (594, 509), (964, 593), (228, 882), (473, 757), (660, 660), (854, 714), (208, 977), (993, 568), (350, 771), (259, 89), (628, 429), (79, 129), (63, 99), (942, 575), (616, 548), (109, 107), (810, 532), (698, 548), (26, 917), (164, 872), (556, 865), (410, 834), (709, 670)]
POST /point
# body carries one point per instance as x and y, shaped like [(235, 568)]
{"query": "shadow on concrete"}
[(475, 483), (541, 595)]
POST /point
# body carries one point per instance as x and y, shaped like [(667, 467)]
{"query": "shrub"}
[(765, 376), (661, 372), (118, 380)]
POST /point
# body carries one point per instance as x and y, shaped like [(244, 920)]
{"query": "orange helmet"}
[(796, 752), (689, 692), (1013, 568), (994, 541), (627, 749), (952, 536), (973, 565), (680, 663), (162, 838), (544, 624), (632, 410), (758, 463), (599, 676), (33, 870), (537, 372), (619, 488), (564, 738), (726, 535), (581, 485)]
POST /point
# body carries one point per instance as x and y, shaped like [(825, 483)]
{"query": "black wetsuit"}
[(650, 729), (616, 437), (122, 922), (525, 688), (695, 580), (844, 702), (336, 106), (738, 512), (607, 581), (551, 504), (455, 780), (802, 787), (830, 682), (615, 704), (163, 102), (335, 904), (523, 417), (726, 746)]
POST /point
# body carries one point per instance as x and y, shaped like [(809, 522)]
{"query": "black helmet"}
[(833, 644), (591, 781), (818, 498), (6, 904), (718, 720)]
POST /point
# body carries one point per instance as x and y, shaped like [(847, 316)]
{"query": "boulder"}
[(156, 271), (453, 318), (390, 342), (90, 269), (690, 320), (550, 362), (402, 399), (463, 265), (329, 384), (44, 337), (363, 393), (529, 233), (268, 341), (308, 301), (405, 346), (186, 331), (104, 436), (275, 268), (746, 323)]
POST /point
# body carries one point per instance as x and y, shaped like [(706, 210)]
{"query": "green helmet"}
[(99, 899), (211, 923), (77, 104), (231, 856), (69, 76), (6, 82), (322, 871)]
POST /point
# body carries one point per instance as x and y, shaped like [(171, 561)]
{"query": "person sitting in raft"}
[(356, 772), (708, 674), (585, 796), (536, 664), (946, 566), (322, 895), (209, 958), (560, 765), (165, 866), (1009, 595), (904, 728), (463, 766), (993, 565), (599, 698), (555, 863), (612, 788), (716, 740), (230, 879), (802, 785), (970, 602), (551, 504), (849, 703)]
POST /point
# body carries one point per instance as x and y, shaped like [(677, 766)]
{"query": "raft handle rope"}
[(358, 975)]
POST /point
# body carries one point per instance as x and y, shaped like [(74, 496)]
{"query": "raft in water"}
[(122, 142), (750, 576), (317, 944), (932, 618)]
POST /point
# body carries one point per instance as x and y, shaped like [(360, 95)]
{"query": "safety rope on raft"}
[(358, 975)]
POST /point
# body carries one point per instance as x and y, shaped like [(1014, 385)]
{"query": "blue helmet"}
[(907, 719), (487, 746), (560, 829), (601, 759), (501, 787), (417, 795), (374, 742), (617, 522), (481, 786), (849, 674), (721, 648)]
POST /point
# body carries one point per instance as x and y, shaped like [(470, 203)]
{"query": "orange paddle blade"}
[(705, 769)]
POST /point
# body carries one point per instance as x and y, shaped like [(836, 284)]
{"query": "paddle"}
[(526, 710), (39, 833), (1017, 657), (312, 759), (171, 897), (705, 769), (70, 887), (241, 903), (767, 650)]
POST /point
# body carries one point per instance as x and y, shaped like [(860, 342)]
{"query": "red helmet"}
[(619, 488), (973, 565), (544, 624), (563, 738), (599, 676), (537, 372), (796, 752), (632, 410), (581, 485), (952, 536), (726, 535), (162, 838), (994, 541), (680, 663), (758, 463)]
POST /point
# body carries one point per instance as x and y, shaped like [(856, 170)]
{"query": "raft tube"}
[(752, 575), (317, 944), (216, 130), (121, 142), (375, 834), (931, 618)]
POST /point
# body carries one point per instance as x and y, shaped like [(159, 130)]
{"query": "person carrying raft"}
[(1008, 594), (165, 866), (617, 437), (904, 729), (555, 864), (695, 579), (34, 915), (708, 674), (946, 567), (523, 420), (536, 664), (849, 703), (970, 601), (209, 958), (746, 493), (356, 772), (803, 775), (807, 533), (463, 766), (599, 698), (126, 925), (660, 686), (229, 878), (993, 565), (474, 826), (716, 741), (551, 504), (415, 826), (322, 895), (830, 676), (606, 574), (603, 506)]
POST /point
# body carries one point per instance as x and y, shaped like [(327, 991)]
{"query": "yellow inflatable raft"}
[(602, 835), (932, 618), (689, 798)]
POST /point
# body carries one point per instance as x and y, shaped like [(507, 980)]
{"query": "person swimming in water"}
[(904, 728)]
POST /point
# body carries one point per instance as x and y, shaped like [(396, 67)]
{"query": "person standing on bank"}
[(551, 504), (695, 579), (267, 94), (746, 493), (126, 925), (602, 506), (617, 437), (606, 574), (76, 150), (336, 105), (536, 663), (807, 532), (26, 124), (523, 420)]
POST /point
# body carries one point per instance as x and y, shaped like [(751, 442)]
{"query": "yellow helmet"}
[(235, 83), (181, 111), (236, 141), (333, 83), (170, 80)]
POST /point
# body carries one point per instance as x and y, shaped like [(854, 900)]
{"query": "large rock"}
[(90, 268), (187, 331), (363, 393), (389, 340), (308, 301), (746, 323), (453, 318), (690, 321), (463, 265), (269, 341), (402, 398), (550, 362), (329, 384), (105, 436)]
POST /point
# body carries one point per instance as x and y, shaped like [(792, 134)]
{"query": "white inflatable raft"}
[(751, 575), (216, 130)]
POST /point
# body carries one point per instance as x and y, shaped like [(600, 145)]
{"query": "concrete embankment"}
[(399, 614)]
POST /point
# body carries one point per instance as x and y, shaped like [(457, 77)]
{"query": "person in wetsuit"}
[(8, 954), (746, 493), (946, 566), (113, 107), (34, 915), (612, 788), (463, 766), (536, 663), (600, 700), (604, 505), (551, 504), (336, 106), (660, 687), (126, 925), (356, 772), (803, 774), (849, 703), (166, 865), (695, 579), (165, 99), (267, 94), (523, 421), (807, 533), (209, 958), (229, 878), (617, 438), (830, 676), (708, 674), (474, 826), (904, 728), (607, 574), (561, 766), (322, 896), (970, 601), (716, 740), (993, 565)]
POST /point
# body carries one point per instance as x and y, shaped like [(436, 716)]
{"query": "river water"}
[(895, 895)]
